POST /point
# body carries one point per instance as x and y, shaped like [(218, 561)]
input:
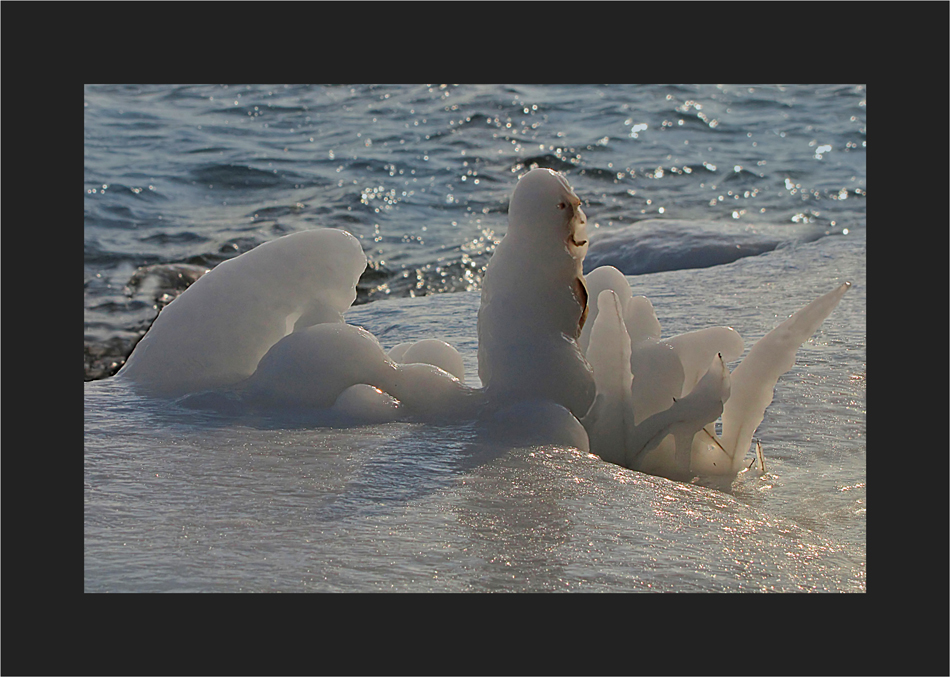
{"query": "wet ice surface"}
[(184, 500)]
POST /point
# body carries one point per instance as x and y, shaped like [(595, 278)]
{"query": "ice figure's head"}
[(545, 210)]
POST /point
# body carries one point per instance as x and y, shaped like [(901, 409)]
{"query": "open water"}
[(728, 205), (422, 175)]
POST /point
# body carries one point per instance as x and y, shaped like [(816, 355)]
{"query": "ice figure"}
[(322, 366), (604, 277), (216, 331), (430, 351), (619, 431), (666, 425), (534, 300), (268, 326), (755, 378), (647, 403), (561, 359), (610, 422)]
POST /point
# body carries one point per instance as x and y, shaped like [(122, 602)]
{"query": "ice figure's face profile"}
[(544, 208)]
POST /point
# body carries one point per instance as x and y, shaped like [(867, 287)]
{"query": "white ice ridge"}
[(561, 359), (534, 300), (658, 399), (216, 332)]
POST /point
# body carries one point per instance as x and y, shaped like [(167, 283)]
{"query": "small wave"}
[(94, 253), (600, 174), (657, 245), (548, 160), (167, 238), (164, 278), (231, 176), (102, 359)]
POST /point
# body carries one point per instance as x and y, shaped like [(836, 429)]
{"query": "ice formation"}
[(268, 326), (534, 300), (216, 332), (560, 358), (665, 424), (430, 351)]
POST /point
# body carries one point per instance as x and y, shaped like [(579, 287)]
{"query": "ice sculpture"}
[(562, 359), (430, 351), (534, 300), (666, 426), (216, 332), (324, 366), (755, 378)]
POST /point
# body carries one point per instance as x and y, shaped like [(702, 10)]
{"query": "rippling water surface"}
[(422, 175)]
